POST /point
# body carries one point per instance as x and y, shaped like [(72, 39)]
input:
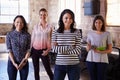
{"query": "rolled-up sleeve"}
[(8, 43)]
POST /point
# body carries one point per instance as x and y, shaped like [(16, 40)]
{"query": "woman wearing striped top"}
[(66, 42)]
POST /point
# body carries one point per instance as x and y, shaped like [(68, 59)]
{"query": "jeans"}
[(73, 72), (36, 54), (12, 71), (97, 70)]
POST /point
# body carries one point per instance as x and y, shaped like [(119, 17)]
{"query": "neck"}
[(43, 22), (18, 30), (98, 32), (67, 27)]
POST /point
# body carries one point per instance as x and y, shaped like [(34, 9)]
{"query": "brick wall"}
[(52, 7)]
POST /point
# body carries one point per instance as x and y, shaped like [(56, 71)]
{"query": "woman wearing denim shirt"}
[(18, 43)]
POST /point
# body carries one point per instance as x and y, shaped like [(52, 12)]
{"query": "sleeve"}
[(56, 49), (8, 42), (77, 49), (109, 38), (53, 40), (88, 38)]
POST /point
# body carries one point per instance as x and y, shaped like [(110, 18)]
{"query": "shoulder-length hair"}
[(100, 18), (61, 24), (25, 28)]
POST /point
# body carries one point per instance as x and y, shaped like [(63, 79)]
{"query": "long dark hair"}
[(61, 24), (100, 18), (25, 28)]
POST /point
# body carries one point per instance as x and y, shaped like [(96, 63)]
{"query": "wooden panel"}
[(2, 39)]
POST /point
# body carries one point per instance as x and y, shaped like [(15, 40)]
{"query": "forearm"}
[(27, 55), (108, 50), (11, 57), (88, 47), (74, 50)]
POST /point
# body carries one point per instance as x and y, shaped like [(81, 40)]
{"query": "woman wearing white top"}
[(41, 44), (99, 44)]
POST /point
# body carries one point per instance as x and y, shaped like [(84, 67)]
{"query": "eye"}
[(66, 17)]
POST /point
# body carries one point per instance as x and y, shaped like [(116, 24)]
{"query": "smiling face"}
[(98, 24), (43, 15), (67, 20), (19, 24)]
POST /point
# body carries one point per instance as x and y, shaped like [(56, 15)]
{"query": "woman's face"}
[(43, 15), (98, 24), (18, 24), (67, 20)]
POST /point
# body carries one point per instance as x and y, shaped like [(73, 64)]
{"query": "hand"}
[(16, 65), (96, 51), (44, 53), (93, 47), (55, 44), (22, 64)]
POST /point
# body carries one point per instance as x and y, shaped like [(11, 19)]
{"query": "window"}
[(113, 13), (10, 8), (74, 5)]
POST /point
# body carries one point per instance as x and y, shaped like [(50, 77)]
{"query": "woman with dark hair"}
[(99, 44), (66, 42), (41, 44), (18, 43)]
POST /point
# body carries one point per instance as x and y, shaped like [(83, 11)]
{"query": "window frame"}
[(11, 8), (75, 6), (111, 12)]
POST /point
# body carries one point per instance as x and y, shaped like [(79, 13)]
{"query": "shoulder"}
[(50, 26), (35, 26), (91, 32), (27, 34), (77, 31), (9, 33), (107, 33)]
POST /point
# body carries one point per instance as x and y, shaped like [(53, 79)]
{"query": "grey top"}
[(99, 40)]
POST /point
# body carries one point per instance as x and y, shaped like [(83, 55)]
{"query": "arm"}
[(77, 47), (88, 46), (9, 47), (109, 45), (11, 56), (108, 50)]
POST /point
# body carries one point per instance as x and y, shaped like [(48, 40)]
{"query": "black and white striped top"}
[(68, 48)]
